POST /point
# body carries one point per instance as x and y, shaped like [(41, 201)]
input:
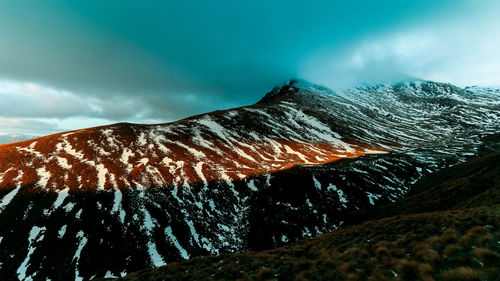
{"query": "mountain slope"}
[(228, 145), (456, 241), (119, 198)]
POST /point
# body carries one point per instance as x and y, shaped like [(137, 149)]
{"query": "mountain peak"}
[(280, 92), (291, 88)]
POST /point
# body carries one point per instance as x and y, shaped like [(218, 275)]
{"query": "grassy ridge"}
[(448, 228)]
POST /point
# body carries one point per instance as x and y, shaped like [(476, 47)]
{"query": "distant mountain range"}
[(11, 138), (299, 163)]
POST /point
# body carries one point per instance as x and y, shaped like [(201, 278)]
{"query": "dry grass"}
[(264, 273), (465, 250), (462, 273), (487, 257), (451, 250)]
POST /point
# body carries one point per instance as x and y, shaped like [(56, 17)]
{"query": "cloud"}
[(462, 50), (33, 109), (26, 126), (122, 60), (223, 53), (34, 100), (27, 99)]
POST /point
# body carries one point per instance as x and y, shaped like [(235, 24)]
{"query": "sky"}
[(73, 64)]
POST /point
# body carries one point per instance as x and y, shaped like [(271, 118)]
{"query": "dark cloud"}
[(133, 60)]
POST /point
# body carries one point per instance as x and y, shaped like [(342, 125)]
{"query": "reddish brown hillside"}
[(211, 147)]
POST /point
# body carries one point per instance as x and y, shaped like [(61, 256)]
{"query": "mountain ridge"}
[(201, 129), (167, 210)]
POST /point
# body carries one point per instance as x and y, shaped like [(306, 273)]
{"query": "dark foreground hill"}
[(447, 229)]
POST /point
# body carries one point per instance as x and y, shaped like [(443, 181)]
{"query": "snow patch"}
[(171, 236), (8, 198), (63, 162), (124, 158), (340, 193), (199, 171), (44, 177), (251, 185), (62, 231), (142, 139), (317, 184), (61, 195), (36, 235), (117, 205), (155, 257), (82, 241), (101, 176)]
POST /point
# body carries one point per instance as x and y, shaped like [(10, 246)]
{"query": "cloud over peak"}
[(136, 61)]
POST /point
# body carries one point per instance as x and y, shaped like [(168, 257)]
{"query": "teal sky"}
[(72, 64)]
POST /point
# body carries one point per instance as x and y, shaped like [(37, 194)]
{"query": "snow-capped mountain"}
[(109, 200)]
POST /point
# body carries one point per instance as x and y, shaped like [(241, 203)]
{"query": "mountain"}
[(426, 236), (11, 138), (297, 164)]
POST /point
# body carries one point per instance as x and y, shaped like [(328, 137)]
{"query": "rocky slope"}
[(119, 198)]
